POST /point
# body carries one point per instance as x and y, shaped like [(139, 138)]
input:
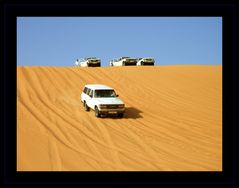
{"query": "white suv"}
[(88, 62), (124, 61), (102, 99)]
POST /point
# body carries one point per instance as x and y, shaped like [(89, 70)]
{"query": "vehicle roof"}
[(97, 86), (147, 58)]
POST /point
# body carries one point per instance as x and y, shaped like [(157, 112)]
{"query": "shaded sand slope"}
[(173, 119)]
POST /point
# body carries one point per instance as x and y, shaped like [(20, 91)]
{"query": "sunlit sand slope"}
[(173, 119)]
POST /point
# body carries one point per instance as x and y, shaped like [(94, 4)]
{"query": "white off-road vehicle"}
[(102, 99), (145, 61), (123, 61), (88, 62)]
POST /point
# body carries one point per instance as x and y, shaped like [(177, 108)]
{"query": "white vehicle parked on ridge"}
[(123, 61), (102, 99), (88, 62), (145, 61)]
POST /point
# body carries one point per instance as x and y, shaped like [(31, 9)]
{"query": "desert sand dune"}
[(173, 119)]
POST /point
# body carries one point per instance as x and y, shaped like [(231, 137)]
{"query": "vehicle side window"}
[(96, 94), (85, 90), (88, 91)]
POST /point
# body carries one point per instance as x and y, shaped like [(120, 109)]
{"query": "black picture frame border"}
[(225, 10)]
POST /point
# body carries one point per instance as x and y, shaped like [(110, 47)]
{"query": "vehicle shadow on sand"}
[(130, 113)]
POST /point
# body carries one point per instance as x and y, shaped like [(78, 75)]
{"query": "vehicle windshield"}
[(91, 58), (104, 93)]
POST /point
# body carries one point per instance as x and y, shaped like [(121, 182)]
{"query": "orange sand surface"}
[(173, 119)]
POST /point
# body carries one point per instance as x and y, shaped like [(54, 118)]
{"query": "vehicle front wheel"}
[(86, 107), (97, 113)]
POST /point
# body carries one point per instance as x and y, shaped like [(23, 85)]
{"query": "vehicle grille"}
[(130, 63), (94, 65), (111, 106), (148, 63)]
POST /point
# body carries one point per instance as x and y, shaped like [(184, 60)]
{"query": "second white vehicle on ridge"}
[(124, 61)]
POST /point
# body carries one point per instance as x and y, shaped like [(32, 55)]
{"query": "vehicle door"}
[(117, 62), (90, 99)]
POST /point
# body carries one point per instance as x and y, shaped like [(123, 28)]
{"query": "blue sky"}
[(59, 41)]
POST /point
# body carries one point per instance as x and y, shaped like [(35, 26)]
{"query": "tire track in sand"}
[(114, 153), (54, 156), (60, 137), (145, 147)]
